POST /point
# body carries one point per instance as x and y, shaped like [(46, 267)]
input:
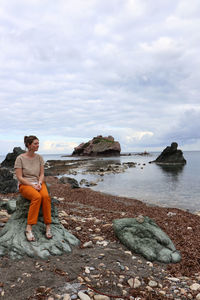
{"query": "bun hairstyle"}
[(29, 139)]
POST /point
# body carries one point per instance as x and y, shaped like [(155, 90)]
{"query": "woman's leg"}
[(34, 196), (46, 204)]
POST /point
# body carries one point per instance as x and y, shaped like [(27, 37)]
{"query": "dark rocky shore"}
[(102, 268)]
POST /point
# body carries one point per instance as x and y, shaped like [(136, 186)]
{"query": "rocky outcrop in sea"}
[(98, 146), (171, 155)]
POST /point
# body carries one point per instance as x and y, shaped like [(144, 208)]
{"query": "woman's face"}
[(34, 146)]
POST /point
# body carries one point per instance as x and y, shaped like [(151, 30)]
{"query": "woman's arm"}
[(21, 179), (41, 178)]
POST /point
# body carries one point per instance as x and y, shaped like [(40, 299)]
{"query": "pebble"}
[(152, 283), (137, 283), (66, 297), (87, 270), (98, 238), (83, 296), (131, 282), (63, 222), (173, 279), (88, 244), (149, 264), (128, 252), (87, 279), (149, 288), (195, 287), (78, 228), (60, 199), (198, 296), (101, 297), (102, 243)]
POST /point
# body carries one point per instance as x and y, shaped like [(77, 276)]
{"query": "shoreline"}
[(88, 215), (179, 221)]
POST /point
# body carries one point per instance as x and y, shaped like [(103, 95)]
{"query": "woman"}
[(29, 168)]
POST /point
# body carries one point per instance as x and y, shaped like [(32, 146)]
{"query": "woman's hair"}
[(29, 139)]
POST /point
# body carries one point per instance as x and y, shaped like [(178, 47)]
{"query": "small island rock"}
[(99, 146), (171, 155)]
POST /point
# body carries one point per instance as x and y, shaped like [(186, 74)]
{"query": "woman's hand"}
[(37, 186)]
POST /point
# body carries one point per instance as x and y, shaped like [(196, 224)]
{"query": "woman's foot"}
[(48, 232), (29, 236)]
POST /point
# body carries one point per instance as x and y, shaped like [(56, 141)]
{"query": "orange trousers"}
[(37, 199)]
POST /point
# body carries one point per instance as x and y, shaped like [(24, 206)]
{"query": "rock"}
[(13, 241), (101, 297), (7, 183), (9, 161), (78, 228), (198, 297), (87, 270), (66, 297), (174, 279), (99, 146), (137, 283), (150, 264), (195, 287), (131, 282), (83, 296), (146, 239), (171, 214), (171, 155), (152, 283), (88, 244), (73, 182), (10, 205), (197, 213), (83, 181)]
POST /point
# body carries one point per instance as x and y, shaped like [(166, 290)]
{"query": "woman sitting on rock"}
[(29, 168)]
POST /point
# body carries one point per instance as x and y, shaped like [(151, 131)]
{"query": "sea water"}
[(176, 186)]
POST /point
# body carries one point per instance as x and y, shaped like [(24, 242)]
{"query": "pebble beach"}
[(102, 268)]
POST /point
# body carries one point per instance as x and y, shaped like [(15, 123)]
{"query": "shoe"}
[(29, 236), (48, 234)]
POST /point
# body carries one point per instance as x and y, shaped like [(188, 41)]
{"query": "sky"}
[(71, 70)]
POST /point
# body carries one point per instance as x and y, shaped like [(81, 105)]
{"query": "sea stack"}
[(171, 155), (98, 146)]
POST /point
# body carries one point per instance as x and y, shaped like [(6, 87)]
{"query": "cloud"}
[(52, 147), (72, 70)]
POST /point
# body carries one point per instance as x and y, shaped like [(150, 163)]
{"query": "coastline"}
[(88, 215)]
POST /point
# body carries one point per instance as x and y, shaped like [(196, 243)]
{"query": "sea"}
[(166, 186)]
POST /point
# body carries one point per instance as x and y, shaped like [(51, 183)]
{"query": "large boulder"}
[(143, 236), (13, 242), (99, 146), (9, 161), (171, 155), (73, 182), (7, 183)]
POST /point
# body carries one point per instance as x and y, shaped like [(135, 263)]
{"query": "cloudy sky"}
[(73, 69)]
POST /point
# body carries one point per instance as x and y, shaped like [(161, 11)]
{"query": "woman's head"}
[(31, 140)]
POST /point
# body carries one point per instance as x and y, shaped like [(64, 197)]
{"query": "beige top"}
[(30, 166)]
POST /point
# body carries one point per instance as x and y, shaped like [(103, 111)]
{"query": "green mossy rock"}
[(143, 236), (13, 241)]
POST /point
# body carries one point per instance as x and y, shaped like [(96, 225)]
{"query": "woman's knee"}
[(36, 198)]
